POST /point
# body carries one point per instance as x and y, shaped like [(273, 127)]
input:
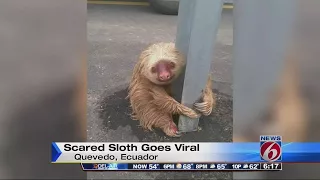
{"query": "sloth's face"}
[(162, 63), (163, 72)]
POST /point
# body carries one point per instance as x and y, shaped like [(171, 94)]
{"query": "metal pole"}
[(198, 24), (261, 30)]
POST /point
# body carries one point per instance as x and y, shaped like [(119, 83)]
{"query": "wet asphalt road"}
[(116, 36)]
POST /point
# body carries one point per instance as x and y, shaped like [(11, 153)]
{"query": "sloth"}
[(150, 90)]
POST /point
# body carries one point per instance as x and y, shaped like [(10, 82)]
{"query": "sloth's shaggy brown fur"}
[(151, 100)]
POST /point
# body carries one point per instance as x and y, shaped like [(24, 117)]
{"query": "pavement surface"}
[(116, 36)]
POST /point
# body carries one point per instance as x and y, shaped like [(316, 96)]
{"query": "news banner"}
[(266, 155)]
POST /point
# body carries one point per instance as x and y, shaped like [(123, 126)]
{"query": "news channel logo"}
[(108, 166), (270, 148)]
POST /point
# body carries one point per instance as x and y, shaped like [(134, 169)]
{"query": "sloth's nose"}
[(164, 76)]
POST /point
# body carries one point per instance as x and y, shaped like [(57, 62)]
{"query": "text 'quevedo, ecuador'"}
[(131, 147)]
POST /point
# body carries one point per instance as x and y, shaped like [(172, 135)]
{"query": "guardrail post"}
[(198, 23)]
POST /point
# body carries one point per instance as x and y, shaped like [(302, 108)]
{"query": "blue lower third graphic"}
[(55, 152)]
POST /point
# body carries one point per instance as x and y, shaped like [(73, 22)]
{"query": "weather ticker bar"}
[(182, 166)]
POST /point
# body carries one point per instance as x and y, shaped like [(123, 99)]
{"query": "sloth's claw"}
[(192, 114), (204, 108), (177, 134), (201, 105), (172, 130)]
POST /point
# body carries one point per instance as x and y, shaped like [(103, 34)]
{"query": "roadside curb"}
[(137, 3)]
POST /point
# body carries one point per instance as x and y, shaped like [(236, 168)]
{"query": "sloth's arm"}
[(169, 105)]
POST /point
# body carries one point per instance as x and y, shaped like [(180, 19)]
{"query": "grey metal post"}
[(261, 30), (198, 23)]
